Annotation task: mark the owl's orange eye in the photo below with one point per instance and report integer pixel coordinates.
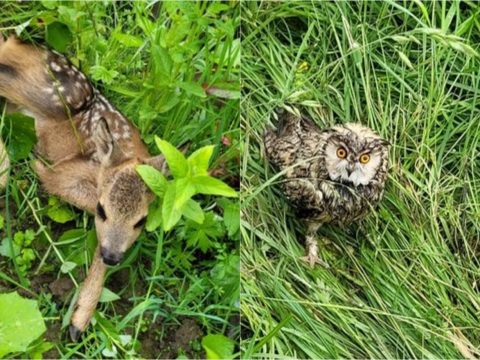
(365, 158)
(341, 153)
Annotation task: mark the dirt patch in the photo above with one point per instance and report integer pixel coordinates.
(53, 334)
(177, 338)
(61, 288)
(118, 279)
(40, 282)
(187, 332)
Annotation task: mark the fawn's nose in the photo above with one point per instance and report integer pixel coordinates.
(109, 257)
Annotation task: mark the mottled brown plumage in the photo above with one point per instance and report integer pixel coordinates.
(333, 175)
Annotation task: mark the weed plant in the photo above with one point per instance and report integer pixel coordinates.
(173, 69)
(404, 283)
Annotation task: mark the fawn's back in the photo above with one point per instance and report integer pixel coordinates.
(45, 85)
(92, 148)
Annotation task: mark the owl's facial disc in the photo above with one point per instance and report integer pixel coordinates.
(354, 165)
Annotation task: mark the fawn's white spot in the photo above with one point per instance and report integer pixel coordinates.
(54, 66)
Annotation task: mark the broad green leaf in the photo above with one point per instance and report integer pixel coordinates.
(231, 217)
(35, 352)
(28, 237)
(58, 36)
(20, 323)
(49, 4)
(108, 296)
(18, 238)
(167, 101)
(198, 161)
(125, 339)
(183, 192)
(193, 89)
(170, 216)
(154, 179)
(176, 161)
(204, 235)
(154, 218)
(101, 73)
(128, 40)
(108, 327)
(23, 136)
(110, 352)
(204, 243)
(226, 274)
(216, 7)
(192, 210)
(6, 248)
(218, 346)
(162, 63)
(178, 31)
(208, 185)
(74, 242)
(71, 236)
(59, 212)
(67, 266)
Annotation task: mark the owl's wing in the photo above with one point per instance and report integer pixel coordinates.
(282, 143)
(290, 141)
(307, 200)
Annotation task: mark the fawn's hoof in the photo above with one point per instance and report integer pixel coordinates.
(75, 333)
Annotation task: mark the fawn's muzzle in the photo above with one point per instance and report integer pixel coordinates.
(109, 257)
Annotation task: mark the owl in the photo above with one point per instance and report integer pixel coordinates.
(335, 175)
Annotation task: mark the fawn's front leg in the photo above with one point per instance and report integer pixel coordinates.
(88, 297)
(4, 165)
(73, 181)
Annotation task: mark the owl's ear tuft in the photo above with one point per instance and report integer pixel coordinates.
(384, 142)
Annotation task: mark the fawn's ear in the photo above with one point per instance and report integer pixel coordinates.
(109, 152)
(158, 162)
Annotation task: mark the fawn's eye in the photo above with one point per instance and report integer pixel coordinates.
(341, 153)
(101, 212)
(140, 223)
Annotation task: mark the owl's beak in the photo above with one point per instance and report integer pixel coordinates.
(349, 170)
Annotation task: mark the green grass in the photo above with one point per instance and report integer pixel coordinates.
(173, 69)
(404, 283)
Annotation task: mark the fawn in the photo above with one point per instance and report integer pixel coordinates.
(92, 150)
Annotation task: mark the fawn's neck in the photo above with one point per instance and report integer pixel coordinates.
(73, 137)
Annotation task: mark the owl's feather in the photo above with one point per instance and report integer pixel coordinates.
(321, 186)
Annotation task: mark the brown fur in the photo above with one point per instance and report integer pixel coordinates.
(92, 150)
(4, 165)
(89, 294)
